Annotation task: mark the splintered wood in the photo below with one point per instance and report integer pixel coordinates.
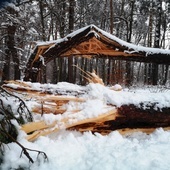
(126, 119)
(42, 129)
(91, 77)
(45, 102)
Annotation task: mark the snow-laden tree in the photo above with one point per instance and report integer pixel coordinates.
(15, 34)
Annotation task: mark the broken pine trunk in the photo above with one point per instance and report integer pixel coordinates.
(130, 118)
(146, 116)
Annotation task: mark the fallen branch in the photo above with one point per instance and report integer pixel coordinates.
(7, 129)
(22, 110)
(24, 149)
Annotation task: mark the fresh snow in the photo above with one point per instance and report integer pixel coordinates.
(75, 151)
(132, 48)
(71, 150)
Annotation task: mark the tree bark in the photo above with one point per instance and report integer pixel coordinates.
(42, 19)
(71, 15)
(62, 19)
(104, 17)
(11, 51)
(131, 20)
(128, 117)
(120, 25)
(157, 39)
(150, 27)
(111, 16)
(70, 69)
(158, 24)
(165, 74)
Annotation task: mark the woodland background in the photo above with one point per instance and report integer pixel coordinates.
(142, 22)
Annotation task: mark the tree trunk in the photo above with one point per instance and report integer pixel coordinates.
(60, 68)
(104, 18)
(158, 24)
(131, 21)
(127, 118)
(120, 25)
(164, 25)
(6, 68)
(150, 26)
(111, 16)
(71, 28)
(71, 15)
(42, 19)
(128, 64)
(157, 39)
(128, 73)
(109, 68)
(63, 19)
(70, 70)
(154, 73)
(54, 71)
(165, 74)
(11, 51)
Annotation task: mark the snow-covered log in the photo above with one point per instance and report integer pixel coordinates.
(94, 108)
(129, 118)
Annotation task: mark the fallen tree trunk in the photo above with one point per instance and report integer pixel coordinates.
(126, 119)
(129, 117)
(74, 104)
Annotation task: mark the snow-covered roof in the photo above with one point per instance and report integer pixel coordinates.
(131, 48)
(111, 46)
(93, 41)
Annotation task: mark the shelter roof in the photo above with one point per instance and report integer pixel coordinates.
(91, 40)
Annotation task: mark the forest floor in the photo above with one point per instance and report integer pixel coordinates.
(71, 149)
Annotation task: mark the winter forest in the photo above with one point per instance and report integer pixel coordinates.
(141, 22)
(85, 84)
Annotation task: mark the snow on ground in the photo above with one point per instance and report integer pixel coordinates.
(75, 151)
(71, 150)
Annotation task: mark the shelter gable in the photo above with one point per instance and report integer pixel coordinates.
(95, 46)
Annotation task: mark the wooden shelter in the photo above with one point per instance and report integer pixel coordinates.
(89, 42)
(91, 47)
